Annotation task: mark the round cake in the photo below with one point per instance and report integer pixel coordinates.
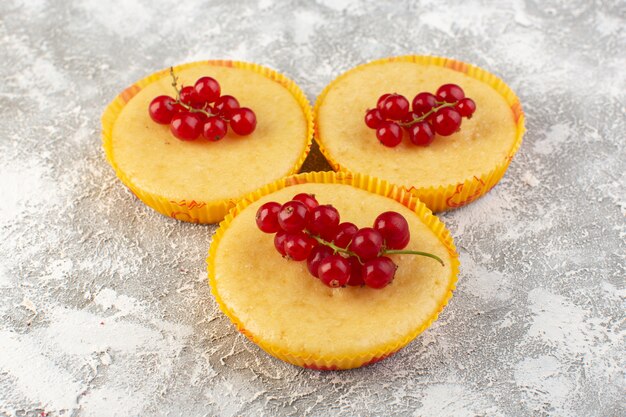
(290, 314)
(450, 172)
(200, 180)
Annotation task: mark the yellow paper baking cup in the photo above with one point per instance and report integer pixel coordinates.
(363, 182)
(444, 196)
(195, 211)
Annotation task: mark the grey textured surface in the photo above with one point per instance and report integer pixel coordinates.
(104, 305)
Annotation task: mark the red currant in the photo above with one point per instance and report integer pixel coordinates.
(423, 103)
(324, 222)
(267, 217)
(466, 107)
(297, 246)
(316, 256)
(409, 118)
(188, 96)
(379, 272)
(179, 108)
(447, 121)
(394, 228)
(208, 89)
(344, 233)
(395, 107)
(215, 128)
(381, 100)
(279, 242)
(421, 133)
(450, 93)
(366, 243)
(186, 126)
(162, 109)
(242, 121)
(293, 216)
(356, 272)
(225, 105)
(202, 116)
(334, 271)
(308, 199)
(373, 118)
(314, 242)
(431, 119)
(389, 134)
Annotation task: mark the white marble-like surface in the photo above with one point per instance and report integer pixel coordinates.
(104, 305)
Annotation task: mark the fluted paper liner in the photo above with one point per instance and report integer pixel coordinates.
(444, 196)
(364, 182)
(192, 210)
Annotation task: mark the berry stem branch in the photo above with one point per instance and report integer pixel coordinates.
(194, 110)
(413, 252)
(333, 246)
(441, 105)
(385, 252)
(185, 105)
(175, 83)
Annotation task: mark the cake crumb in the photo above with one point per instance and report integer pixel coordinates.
(529, 179)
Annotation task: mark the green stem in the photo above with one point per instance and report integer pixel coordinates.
(333, 246)
(413, 252)
(425, 116)
(385, 252)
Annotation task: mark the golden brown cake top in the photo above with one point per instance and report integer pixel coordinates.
(158, 163)
(482, 143)
(281, 304)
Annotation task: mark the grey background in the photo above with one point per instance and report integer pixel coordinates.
(104, 305)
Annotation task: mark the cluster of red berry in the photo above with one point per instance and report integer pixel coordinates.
(439, 113)
(200, 109)
(339, 254)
